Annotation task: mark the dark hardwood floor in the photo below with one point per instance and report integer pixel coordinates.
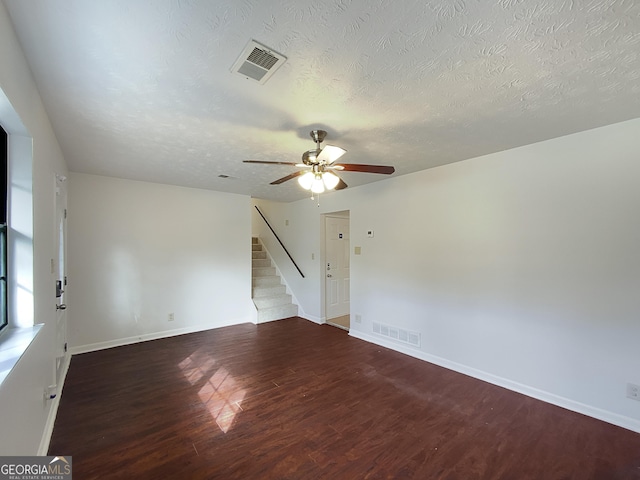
(295, 400)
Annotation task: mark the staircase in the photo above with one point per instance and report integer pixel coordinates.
(269, 295)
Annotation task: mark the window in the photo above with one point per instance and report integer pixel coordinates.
(3, 228)
(16, 259)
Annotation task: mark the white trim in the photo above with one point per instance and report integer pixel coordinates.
(13, 343)
(253, 313)
(11, 121)
(597, 413)
(20, 222)
(43, 449)
(119, 342)
(342, 327)
(312, 318)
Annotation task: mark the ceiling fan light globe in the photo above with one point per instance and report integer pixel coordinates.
(330, 180)
(306, 180)
(318, 185)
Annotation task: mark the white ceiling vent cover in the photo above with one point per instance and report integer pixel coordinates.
(258, 62)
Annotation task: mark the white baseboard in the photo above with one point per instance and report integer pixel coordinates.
(311, 318)
(119, 342)
(600, 414)
(53, 412)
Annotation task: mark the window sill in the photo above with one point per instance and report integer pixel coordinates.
(13, 343)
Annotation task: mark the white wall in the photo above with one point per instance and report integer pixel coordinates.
(139, 251)
(23, 412)
(520, 267)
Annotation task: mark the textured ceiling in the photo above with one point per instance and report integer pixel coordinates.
(142, 89)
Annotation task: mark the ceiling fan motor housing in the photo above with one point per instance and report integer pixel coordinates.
(318, 136)
(309, 157)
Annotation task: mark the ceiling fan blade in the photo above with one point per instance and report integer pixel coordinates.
(288, 177)
(359, 167)
(330, 154)
(341, 185)
(269, 163)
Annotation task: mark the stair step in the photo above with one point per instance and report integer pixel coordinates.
(258, 254)
(256, 247)
(268, 301)
(260, 262)
(267, 291)
(277, 313)
(269, 281)
(254, 240)
(263, 271)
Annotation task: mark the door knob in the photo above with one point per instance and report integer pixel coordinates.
(329, 275)
(62, 306)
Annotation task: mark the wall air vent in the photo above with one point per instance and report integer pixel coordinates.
(398, 334)
(258, 62)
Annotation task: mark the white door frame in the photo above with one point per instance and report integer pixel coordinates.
(59, 267)
(323, 271)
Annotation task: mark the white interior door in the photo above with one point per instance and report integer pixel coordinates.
(337, 266)
(60, 272)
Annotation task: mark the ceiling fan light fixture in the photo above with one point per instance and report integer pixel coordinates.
(306, 180)
(330, 180)
(318, 185)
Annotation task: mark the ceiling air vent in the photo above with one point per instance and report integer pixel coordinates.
(258, 62)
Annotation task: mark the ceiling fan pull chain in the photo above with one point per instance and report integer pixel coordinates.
(313, 197)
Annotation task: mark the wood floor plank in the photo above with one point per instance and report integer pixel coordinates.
(295, 400)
